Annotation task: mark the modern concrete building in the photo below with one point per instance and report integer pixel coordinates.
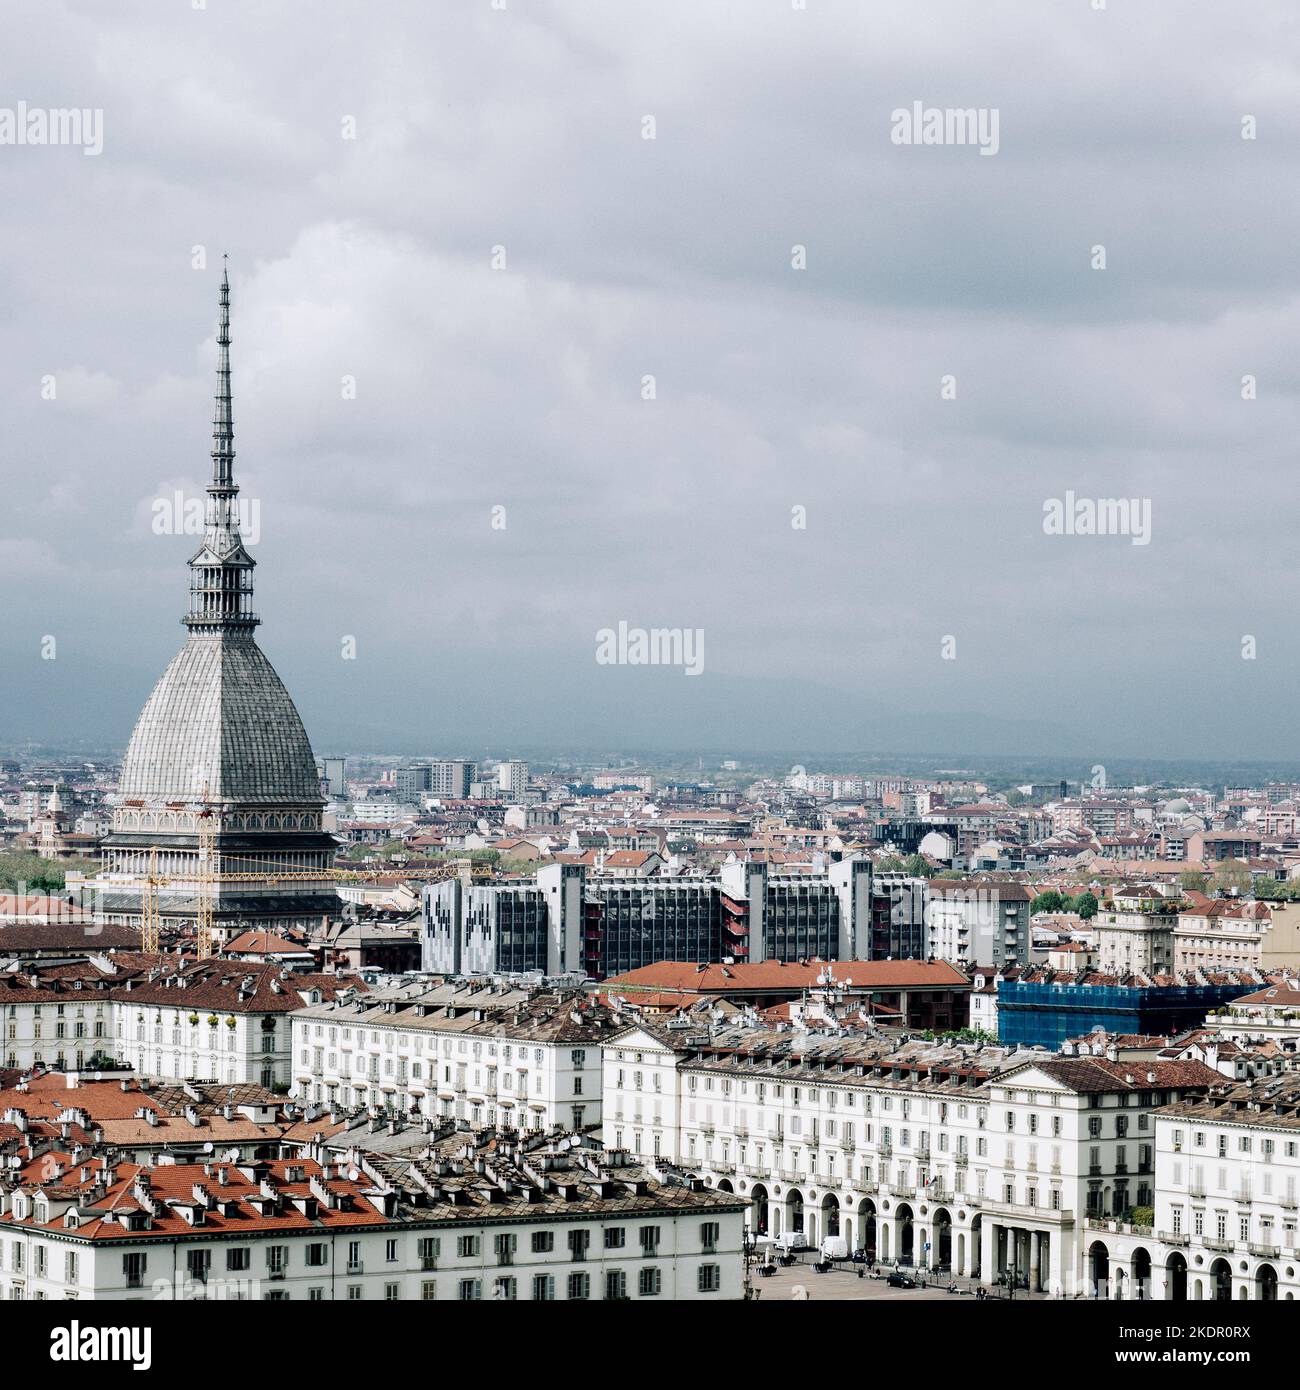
(336, 777)
(513, 779)
(568, 919)
(452, 778)
(978, 921)
(412, 782)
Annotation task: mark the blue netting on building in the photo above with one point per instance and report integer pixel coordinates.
(1045, 1015)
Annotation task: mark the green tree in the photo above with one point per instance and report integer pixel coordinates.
(31, 874)
(1048, 901)
(1086, 904)
(918, 866)
(1232, 874)
(1193, 882)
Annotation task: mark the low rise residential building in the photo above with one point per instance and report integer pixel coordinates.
(213, 1020)
(140, 1121)
(216, 1020)
(1262, 1016)
(487, 1055)
(493, 1216)
(1221, 934)
(1135, 931)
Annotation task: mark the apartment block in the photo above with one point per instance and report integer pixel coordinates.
(483, 1055)
(494, 1216)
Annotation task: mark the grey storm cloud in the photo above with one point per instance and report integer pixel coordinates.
(521, 127)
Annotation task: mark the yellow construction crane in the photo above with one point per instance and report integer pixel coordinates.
(149, 921)
(208, 876)
(208, 870)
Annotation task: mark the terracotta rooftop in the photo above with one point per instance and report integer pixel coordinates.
(771, 976)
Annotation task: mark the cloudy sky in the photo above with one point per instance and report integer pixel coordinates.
(225, 128)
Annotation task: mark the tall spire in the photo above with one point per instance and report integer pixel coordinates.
(223, 426)
(221, 573)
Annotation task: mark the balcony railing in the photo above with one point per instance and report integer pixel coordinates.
(1056, 1215)
(1107, 1223)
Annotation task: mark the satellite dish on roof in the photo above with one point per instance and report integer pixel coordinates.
(207, 1148)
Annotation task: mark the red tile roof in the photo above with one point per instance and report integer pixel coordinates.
(769, 976)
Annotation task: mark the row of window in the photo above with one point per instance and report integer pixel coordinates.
(649, 1284)
(1267, 1227)
(238, 1259)
(60, 1031)
(577, 1286)
(1245, 1144)
(404, 1042)
(58, 1010)
(42, 1262)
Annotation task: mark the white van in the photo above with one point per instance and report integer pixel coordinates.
(835, 1248)
(789, 1241)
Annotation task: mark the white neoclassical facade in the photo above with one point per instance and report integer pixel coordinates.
(1227, 1187)
(979, 1161)
(530, 1061)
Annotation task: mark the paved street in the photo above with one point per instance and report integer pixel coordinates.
(842, 1282)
